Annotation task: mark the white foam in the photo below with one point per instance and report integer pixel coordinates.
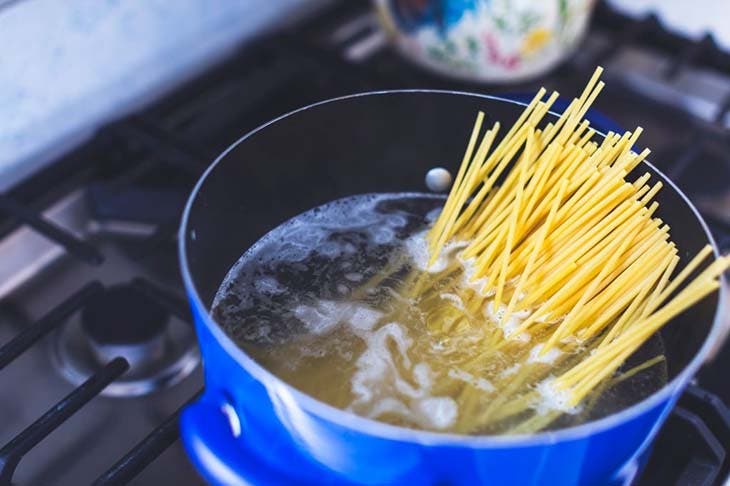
(417, 248)
(396, 221)
(354, 276)
(553, 399)
(325, 315)
(376, 366)
(364, 318)
(293, 252)
(320, 318)
(269, 285)
(422, 375)
(389, 405)
(379, 386)
(436, 412)
(467, 280)
(547, 358)
(433, 412)
(478, 382)
(513, 323)
(453, 298)
(382, 235)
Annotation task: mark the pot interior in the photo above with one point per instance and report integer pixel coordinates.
(375, 143)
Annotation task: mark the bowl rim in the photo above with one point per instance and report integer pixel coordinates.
(384, 430)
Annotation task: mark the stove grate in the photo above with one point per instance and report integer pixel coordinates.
(12, 453)
(185, 131)
(146, 451)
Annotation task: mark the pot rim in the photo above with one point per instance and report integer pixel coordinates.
(393, 432)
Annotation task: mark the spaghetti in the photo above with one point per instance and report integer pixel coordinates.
(532, 300)
(567, 243)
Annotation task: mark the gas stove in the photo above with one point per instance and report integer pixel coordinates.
(97, 351)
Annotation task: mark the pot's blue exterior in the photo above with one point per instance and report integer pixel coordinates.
(287, 437)
(283, 442)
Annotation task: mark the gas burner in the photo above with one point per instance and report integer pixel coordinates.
(123, 321)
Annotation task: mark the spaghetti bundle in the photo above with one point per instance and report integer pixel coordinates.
(532, 301)
(563, 252)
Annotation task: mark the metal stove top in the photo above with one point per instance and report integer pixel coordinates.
(97, 353)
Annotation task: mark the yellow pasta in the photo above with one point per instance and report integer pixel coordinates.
(566, 249)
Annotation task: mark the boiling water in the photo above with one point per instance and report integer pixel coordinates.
(325, 301)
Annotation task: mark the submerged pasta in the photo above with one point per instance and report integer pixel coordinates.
(324, 302)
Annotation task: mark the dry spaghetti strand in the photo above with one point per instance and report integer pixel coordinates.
(562, 254)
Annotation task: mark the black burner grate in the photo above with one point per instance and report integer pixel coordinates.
(169, 145)
(143, 453)
(146, 451)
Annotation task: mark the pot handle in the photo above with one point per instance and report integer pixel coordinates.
(209, 429)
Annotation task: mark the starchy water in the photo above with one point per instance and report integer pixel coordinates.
(339, 302)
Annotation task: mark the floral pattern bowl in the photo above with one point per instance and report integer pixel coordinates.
(486, 40)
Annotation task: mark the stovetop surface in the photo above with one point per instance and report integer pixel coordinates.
(95, 204)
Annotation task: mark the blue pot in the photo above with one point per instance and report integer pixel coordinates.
(249, 427)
